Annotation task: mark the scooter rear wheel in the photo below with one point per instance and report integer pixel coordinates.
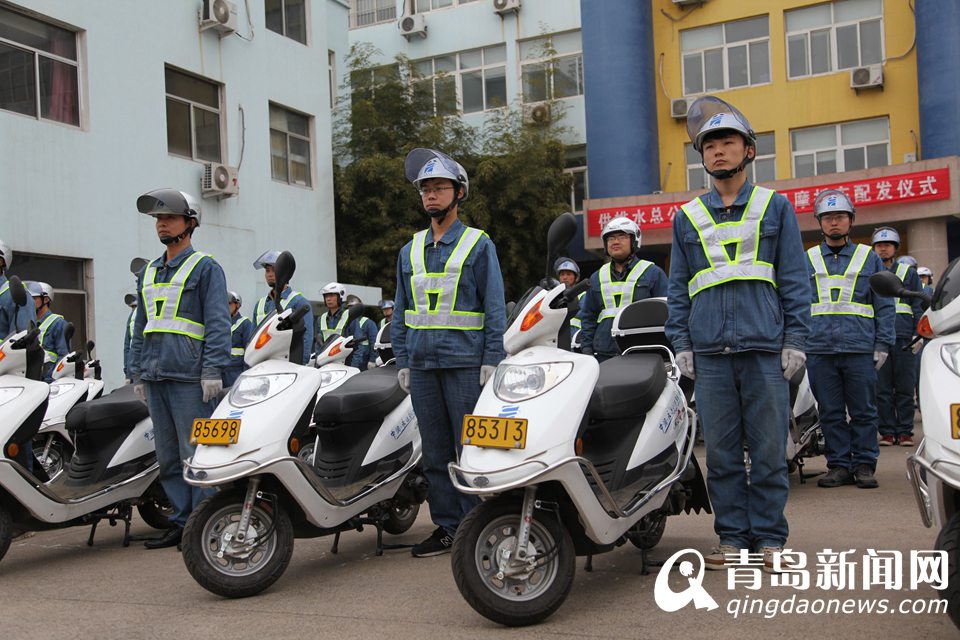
(155, 508)
(949, 540)
(226, 568)
(485, 536)
(401, 517)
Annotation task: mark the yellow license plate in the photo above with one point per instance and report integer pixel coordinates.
(215, 431)
(955, 421)
(499, 433)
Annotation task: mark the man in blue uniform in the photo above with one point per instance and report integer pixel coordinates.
(448, 334)
(897, 379)
(12, 318)
(625, 279)
(52, 327)
(288, 298)
(181, 345)
(241, 331)
(334, 321)
(851, 333)
(739, 316)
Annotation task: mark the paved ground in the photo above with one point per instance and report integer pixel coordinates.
(53, 586)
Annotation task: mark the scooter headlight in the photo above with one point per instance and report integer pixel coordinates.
(950, 354)
(63, 387)
(516, 383)
(9, 393)
(253, 389)
(327, 378)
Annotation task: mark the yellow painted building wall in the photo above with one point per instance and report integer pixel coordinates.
(784, 105)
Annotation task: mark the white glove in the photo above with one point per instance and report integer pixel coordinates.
(916, 347)
(139, 392)
(685, 362)
(486, 372)
(127, 381)
(879, 357)
(371, 365)
(211, 389)
(403, 377)
(791, 361)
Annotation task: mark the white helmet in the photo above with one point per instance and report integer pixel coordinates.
(724, 122)
(267, 258)
(910, 261)
(833, 201)
(423, 164)
(169, 202)
(622, 225)
(233, 296)
(130, 299)
(386, 304)
(924, 271)
(6, 253)
(334, 287)
(47, 290)
(886, 234)
(33, 288)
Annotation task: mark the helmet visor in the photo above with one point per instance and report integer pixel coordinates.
(265, 259)
(165, 201)
(705, 108)
(443, 166)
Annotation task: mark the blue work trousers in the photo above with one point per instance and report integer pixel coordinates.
(896, 383)
(441, 397)
(845, 384)
(173, 406)
(742, 399)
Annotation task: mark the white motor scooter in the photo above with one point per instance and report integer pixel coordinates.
(363, 471)
(934, 470)
(572, 457)
(75, 380)
(113, 468)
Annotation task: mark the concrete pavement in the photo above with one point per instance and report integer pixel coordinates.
(53, 586)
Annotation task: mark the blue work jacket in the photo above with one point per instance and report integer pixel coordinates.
(480, 289)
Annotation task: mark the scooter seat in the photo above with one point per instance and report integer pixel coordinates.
(119, 409)
(628, 386)
(369, 396)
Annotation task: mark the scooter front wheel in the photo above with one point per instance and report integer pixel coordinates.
(949, 540)
(229, 567)
(494, 581)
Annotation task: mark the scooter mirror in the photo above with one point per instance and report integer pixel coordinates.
(137, 265)
(18, 292)
(561, 232)
(283, 269)
(887, 284)
(90, 345)
(68, 332)
(510, 307)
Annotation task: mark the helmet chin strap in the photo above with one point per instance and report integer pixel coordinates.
(726, 174)
(836, 236)
(440, 214)
(169, 240)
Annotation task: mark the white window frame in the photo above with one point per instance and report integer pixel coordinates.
(199, 105)
(725, 59)
(283, 20)
(382, 11)
(453, 4)
(839, 148)
(289, 134)
(457, 75)
(751, 168)
(551, 61)
(834, 56)
(39, 53)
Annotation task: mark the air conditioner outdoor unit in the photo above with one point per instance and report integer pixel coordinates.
(413, 25)
(679, 108)
(538, 114)
(220, 15)
(869, 77)
(506, 6)
(219, 181)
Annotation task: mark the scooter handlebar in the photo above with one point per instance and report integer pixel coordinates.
(570, 294)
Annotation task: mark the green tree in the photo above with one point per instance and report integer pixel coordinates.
(517, 183)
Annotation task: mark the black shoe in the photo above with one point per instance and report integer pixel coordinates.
(837, 477)
(437, 544)
(865, 477)
(171, 538)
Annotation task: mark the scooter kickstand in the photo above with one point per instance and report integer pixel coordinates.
(588, 567)
(93, 531)
(379, 539)
(335, 549)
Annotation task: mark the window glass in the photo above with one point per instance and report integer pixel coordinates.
(701, 38)
(871, 42)
(809, 17)
(848, 50)
(797, 55)
(747, 29)
(759, 62)
(18, 85)
(845, 10)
